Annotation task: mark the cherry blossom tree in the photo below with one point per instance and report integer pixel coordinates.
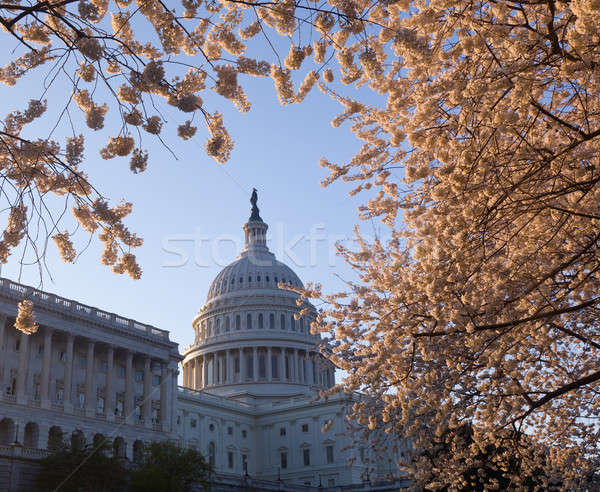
(482, 308)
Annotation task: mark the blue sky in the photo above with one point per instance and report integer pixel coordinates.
(177, 202)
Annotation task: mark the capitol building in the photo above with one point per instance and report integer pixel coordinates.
(246, 392)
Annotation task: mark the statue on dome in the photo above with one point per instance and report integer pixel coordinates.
(255, 212)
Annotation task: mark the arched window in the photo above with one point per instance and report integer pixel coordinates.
(119, 448)
(292, 323)
(227, 324)
(260, 321)
(272, 321)
(55, 438)
(238, 322)
(77, 440)
(32, 435)
(218, 330)
(7, 431)
(138, 451)
(283, 321)
(248, 321)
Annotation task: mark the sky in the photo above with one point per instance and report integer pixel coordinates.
(190, 209)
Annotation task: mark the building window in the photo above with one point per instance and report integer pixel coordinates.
(292, 323)
(193, 423)
(245, 464)
(238, 322)
(211, 454)
(100, 405)
(361, 453)
(59, 395)
(155, 379)
(211, 427)
(249, 279)
(331, 482)
(304, 427)
(244, 433)
(121, 371)
(267, 278)
(139, 376)
(272, 321)
(230, 459)
(178, 419)
(283, 321)
(261, 366)
(302, 325)
(258, 278)
(119, 408)
(40, 349)
(82, 361)
(329, 454)
(218, 323)
(248, 321)
(62, 356)
(17, 344)
(236, 364)
(274, 366)
(283, 461)
(282, 431)
(230, 431)
(260, 321)
(227, 324)
(306, 457)
(104, 367)
(249, 367)
(81, 400)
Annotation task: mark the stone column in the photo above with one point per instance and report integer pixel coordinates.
(90, 396)
(198, 377)
(173, 402)
(2, 351)
(228, 359)
(164, 396)
(242, 366)
(23, 369)
(204, 371)
(214, 369)
(129, 396)
(296, 371)
(68, 390)
(109, 403)
(282, 365)
(223, 376)
(46, 362)
(147, 405)
(255, 364)
(269, 367)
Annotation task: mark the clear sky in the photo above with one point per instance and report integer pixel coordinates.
(197, 206)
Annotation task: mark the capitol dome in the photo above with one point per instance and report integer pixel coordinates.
(248, 341)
